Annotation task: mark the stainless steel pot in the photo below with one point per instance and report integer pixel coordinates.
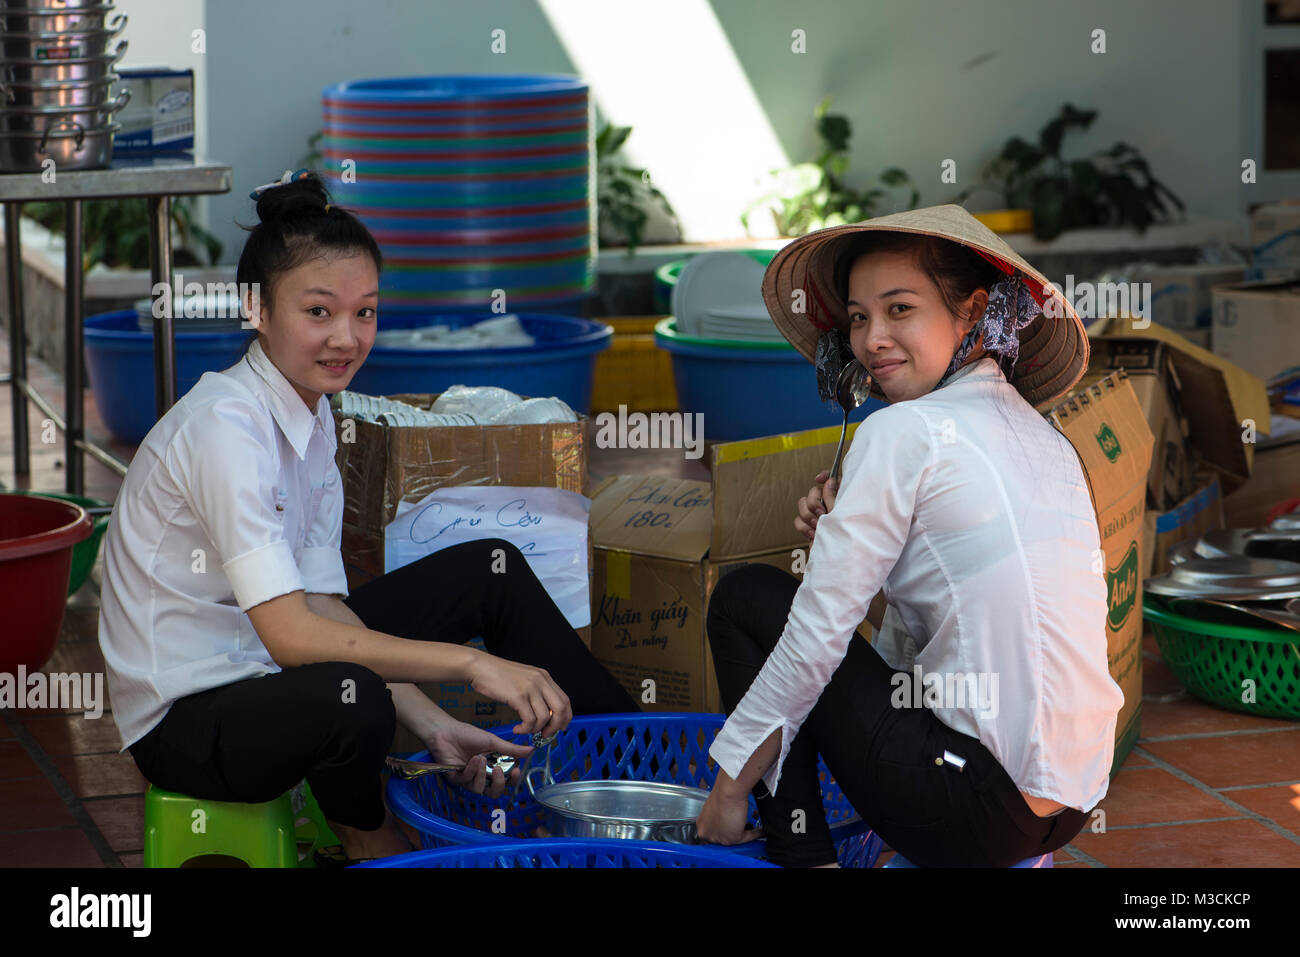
(626, 810)
(69, 145)
(59, 6)
(58, 46)
(33, 20)
(83, 94)
(27, 70)
(39, 119)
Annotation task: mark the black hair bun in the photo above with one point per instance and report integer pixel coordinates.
(305, 196)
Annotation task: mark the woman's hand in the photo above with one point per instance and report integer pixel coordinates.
(819, 500)
(724, 819)
(542, 706)
(459, 743)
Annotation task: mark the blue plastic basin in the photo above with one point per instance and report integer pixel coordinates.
(561, 363)
(119, 359)
(747, 390)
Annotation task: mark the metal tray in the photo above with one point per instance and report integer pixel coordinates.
(1233, 576)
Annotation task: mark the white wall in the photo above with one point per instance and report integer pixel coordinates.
(1171, 82)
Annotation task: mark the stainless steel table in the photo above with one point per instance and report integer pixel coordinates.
(157, 179)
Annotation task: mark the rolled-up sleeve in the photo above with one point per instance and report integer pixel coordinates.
(855, 548)
(322, 551)
(224, 460)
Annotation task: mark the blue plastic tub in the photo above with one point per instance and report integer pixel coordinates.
(746, 390)
(561, 364)
(119, 360)
(668, 747)
(570, 853)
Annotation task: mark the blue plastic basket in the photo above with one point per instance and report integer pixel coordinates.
(569, 853)
(669, 747)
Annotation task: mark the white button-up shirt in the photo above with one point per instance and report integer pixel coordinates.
(232, 499)
(972, 513)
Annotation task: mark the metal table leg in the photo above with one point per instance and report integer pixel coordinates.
(17, 338)
(73, 384)
(160, 271)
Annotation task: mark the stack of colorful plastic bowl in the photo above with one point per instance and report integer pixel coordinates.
(475, 187)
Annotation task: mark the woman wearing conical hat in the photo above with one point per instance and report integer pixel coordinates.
(978, 729)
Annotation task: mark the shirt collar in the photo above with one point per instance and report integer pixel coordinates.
(985, 367)
(296, 421)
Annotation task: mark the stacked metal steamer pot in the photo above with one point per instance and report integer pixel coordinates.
(58, 90)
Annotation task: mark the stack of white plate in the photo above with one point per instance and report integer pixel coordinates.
(719, 295)
(746, 322)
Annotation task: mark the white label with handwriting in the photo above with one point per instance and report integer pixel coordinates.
(548, 525)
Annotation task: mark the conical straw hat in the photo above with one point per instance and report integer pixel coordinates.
(799, 291)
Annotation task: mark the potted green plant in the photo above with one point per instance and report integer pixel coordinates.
(1111, 187)
(626, 196)
(116, 232)
(814, 195)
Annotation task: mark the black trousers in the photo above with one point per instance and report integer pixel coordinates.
(254, 740)
(882, 757)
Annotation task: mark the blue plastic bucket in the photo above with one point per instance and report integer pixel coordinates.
(745, 390)
(119, 360)
(561, 364)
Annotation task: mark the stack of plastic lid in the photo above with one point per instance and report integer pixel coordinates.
(474, 186)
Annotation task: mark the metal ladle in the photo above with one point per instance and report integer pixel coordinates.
(852, 388)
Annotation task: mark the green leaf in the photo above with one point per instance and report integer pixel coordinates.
(835, 130)
(895, 177)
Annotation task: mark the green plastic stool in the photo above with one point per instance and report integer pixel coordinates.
(309, 823)
(178, 827)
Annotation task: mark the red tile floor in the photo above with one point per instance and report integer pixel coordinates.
(1202, 788)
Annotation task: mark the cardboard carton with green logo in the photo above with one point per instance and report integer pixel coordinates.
(1106, 425)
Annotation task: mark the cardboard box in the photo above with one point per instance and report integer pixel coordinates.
(1180, 295)
(1220, 401)
(1151, 373)
(1105, 424)
(661, 546)
(1257, 326)
(1275, 241)
(159, 117)
(1276, 479)
(382, 466)
(1191, 518)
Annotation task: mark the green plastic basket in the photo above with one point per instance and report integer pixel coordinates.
(1213, 661)
(85, 553)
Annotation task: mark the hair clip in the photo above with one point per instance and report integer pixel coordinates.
(288, 177)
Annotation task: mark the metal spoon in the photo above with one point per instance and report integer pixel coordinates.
(414, 769)
(851, 389)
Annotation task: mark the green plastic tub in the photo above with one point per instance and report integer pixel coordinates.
(1224, 664)
(85, 554)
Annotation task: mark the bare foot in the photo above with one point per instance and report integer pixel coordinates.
(384, 842)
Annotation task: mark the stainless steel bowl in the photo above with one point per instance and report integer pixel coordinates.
(626, 810)
(28, 70)
(60, 45)
(83, 94)
(33, 20)
(69, 145)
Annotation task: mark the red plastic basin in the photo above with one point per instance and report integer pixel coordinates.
(36, 539)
